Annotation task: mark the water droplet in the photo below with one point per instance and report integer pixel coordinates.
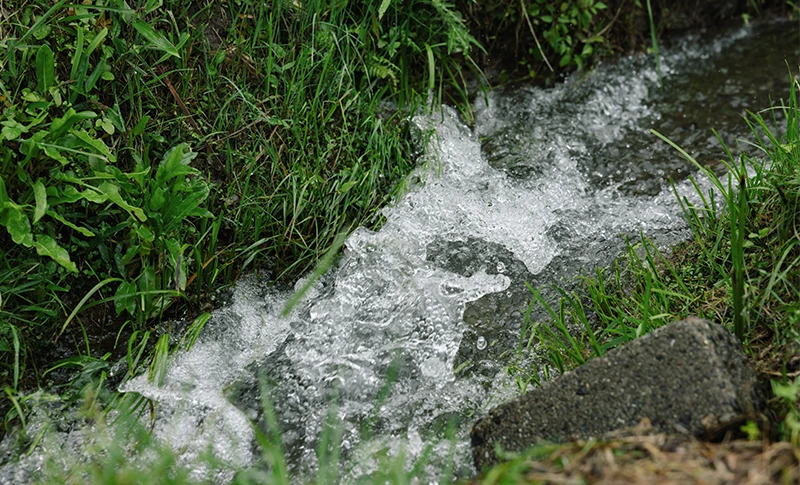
(449, 289)
(481, 343)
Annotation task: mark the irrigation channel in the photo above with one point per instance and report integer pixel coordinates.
(414, 328)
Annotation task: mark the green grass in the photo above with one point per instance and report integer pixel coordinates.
(151, 154)
(654, 41)
(123, 449)
(740, 269)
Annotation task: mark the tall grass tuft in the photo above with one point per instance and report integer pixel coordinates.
(739, 269)
(151, 155)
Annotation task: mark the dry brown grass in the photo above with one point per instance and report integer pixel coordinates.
(656, 458)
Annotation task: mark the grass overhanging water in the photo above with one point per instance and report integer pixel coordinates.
(153, 153)
(150, 155)
(740, 269)
(646, 289)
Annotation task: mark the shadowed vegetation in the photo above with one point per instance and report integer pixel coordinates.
(152, 153)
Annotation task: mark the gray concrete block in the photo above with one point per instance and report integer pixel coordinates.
(688, 376)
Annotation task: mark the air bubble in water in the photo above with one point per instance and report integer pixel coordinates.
(449, 289)
(481, 344)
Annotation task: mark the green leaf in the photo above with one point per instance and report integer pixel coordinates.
(431, 68)
(67, 195)
(53, 153)
(92, 195)
(112, 192)
(157, 199)
(83, 301)
(145, 234)
(59, 126)
(77, 55)
(175, 163)
(141, 125)
(180, 274)
(158, 41)
(41, 20)
(107, 126)
(17, 224)
(12, 130)
(91, 81)
(152, 5)
(183, 206)
(786, 391)
(128, 256)
(98, 39)
(147, 284)
(42, 31)
(69, 224)
(115, 116)
(96, 144)
(55, 93)
(176, 212)
(80, 69)
(30, 147)
(322, 266)
(178, 263)
(47, 246)
(158, 367)
(31, 97)
(45, 68)
(40, 195)
(125, 298)
(347, 186)
(382, 9)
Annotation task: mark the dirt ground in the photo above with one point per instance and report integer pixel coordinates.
(655, 459)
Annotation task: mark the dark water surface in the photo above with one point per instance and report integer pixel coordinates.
(604, 118)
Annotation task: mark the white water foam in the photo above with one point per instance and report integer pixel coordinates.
(386, 301)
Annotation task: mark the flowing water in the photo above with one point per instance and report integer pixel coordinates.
(410, 334)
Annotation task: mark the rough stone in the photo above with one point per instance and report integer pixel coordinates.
(690, 376)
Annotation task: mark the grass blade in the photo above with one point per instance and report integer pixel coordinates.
(158, 41)
(83, 302)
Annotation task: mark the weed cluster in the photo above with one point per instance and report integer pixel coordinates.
(151, 153)
(740, 269)
(548, 37)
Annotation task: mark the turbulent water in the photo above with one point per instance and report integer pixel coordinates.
(410, 333)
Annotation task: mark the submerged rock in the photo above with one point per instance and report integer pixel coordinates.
(690, 376)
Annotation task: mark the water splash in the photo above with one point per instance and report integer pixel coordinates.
(401, 301)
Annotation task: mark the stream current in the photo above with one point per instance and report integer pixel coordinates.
(411, 332)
